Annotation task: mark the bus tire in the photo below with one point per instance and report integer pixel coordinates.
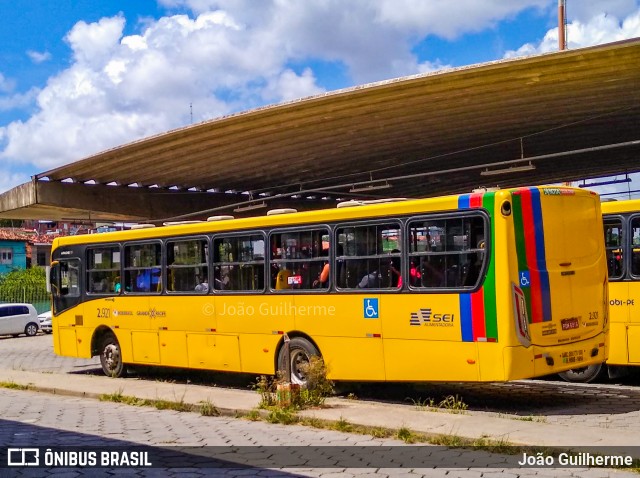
(584, 374)
(31, 329)
(111, 357)
(300, 350)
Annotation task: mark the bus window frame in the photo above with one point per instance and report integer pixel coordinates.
(61, 299)
(165, 264)
(401, 222)
(87, 249)
(314, 226)
(124, 268)
(629, 243)
(625, 223)
(460, 214)
(212, 264)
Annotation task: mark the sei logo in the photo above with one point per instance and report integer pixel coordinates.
(427, 317)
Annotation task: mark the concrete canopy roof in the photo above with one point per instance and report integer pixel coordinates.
(569, 115)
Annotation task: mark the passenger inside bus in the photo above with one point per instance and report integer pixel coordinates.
(323, 278)
(395, 277)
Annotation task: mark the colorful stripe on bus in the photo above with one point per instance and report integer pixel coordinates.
(530, 250)
(478, 318)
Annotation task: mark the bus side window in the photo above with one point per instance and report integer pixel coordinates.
(614, 240)
(238, 263)
(635, 246)
(447, 252)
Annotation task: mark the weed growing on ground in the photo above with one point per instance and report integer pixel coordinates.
(454, 404)
(253, 415)
(179, 406)
(406, 435)
(284, 416)
(266, 387)
(451, 403)
(343, 425)
(423, 404)
(118, 397)
(318, 386)
(208, 409)
(313, 394)
(15, 386)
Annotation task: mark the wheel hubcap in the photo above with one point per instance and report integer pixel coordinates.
(111, 356)
(298, 360)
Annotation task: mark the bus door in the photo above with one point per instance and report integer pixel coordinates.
(142, 284)
(65, 289)
(560, 269)
(616, 243)
(633, 294)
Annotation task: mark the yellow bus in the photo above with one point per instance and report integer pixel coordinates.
(487, 286)
(622, 241)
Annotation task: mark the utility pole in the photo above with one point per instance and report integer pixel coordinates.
(562, 25)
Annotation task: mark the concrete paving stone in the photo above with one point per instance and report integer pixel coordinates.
(398, 472)
(490, 473)
(338, 474)
(64, 473)
(613, 418)
(465, 473)
(188, 474)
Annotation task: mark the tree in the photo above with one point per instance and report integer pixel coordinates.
(24, 285)
(10, 223)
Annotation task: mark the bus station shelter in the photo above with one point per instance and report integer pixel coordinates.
(564, 116)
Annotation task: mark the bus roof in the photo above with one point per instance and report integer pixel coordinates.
(363, 209)
(613, 207)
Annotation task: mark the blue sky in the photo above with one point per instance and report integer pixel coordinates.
(79, 77)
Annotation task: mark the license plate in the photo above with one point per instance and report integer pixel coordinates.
(571, 323)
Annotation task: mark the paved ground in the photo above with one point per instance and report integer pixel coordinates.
(534, 413)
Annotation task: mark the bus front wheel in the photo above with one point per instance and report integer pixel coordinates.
(111, 357)
(300, 351)
(584, 374)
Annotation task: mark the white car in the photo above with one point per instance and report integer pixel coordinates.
(16, 319)
(45, 322)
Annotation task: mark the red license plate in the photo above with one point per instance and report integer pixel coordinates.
(568, 324)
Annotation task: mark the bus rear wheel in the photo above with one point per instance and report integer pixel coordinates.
(111, 357)
(300, 351)
(584, 374)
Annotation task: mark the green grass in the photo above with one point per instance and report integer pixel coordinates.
(205, 408)
(451, 403)
(208, 409)
(16, 386)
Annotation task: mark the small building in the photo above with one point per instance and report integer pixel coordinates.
(40, 254)
(13, 254)
(22, 249)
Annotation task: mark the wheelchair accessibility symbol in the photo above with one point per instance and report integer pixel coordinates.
(370, 308)
(524, 279)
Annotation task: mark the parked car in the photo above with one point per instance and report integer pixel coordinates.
(16, 319)
(45, 322)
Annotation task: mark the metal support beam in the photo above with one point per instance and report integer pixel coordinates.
(72, 201)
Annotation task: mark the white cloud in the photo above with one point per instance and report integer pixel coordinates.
(584, 10)
(38, 57)
(234, 55)
(601, 28)
(120, 89)
(7, 85)
(289, 86)
(94, 43)
(10, 180)
(18, 101)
